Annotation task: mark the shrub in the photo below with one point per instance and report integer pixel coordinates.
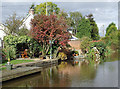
(112, 40)
(62, 56)
(9, 52)
(91, 55)
(85, 41)
(100, 46)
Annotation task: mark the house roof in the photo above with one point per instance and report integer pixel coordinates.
(26, 21)
(74, 38)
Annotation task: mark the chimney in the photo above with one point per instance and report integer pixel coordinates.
(31, 11)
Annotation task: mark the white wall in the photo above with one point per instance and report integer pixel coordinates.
(2, 33)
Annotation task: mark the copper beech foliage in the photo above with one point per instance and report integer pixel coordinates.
(45, 28)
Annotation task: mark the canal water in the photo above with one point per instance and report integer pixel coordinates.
(72, 74)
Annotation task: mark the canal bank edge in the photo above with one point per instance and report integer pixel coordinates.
(26, 69)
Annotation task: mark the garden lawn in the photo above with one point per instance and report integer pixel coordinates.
(18, 62)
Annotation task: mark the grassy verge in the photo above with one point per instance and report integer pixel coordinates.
(14, 62)
(18, 62)
(2, 68)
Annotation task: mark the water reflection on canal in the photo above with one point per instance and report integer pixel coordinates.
(70, 74)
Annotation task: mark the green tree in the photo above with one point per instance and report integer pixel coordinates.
(63, 14)
(85, 41)
(94, 28)
(23, 31)
(51, 8)
(112, 27)
(84, 28)
(74, 19)
(12, 23)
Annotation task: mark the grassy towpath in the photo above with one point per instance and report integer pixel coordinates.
(14, 62)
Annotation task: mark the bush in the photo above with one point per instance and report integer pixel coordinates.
(100, 46)
(65, 53)
(9, 52)
(33, 45)
(91, 54)
(85, 41)
(62, 56)
(112, 40)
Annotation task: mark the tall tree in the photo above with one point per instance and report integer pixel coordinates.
(22, 32)
(74, 19)
(94, 28)
(84, 28)
(63, 14)
(112, 27)
(51, 8)
(46, 28)
(12, 23)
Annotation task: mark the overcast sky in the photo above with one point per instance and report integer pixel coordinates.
(103, 12)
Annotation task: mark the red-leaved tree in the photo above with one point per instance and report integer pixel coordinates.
(46, 28)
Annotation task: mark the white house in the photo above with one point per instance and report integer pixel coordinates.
(70, 30)
(26, 23)
(2, 33)
(27, 20)
(74, 38)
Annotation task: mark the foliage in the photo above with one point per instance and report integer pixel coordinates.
(9, 52)
(23, 32)
(112, 40)
(34, 48)
(33, 45)
(46, 28)
(84, 28)
(51, 8)
(91, 55)
(111, 28)
(94, 28)
(62, 56)
(85, 41)
(12, 23)
(10, 44)
(75, 16)
(108, 51)
(66, 51)
(63, 14)
(100, 46)
(111, 24)
(13, 40)
(74, 19)
(100, 55)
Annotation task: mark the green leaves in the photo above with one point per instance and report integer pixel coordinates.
(111, 28)
(12, 40)
(12, 23)
(51, 8)
(85, 41)
(10, 52)
(100, 46)
(94, 28)
(84, 28)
